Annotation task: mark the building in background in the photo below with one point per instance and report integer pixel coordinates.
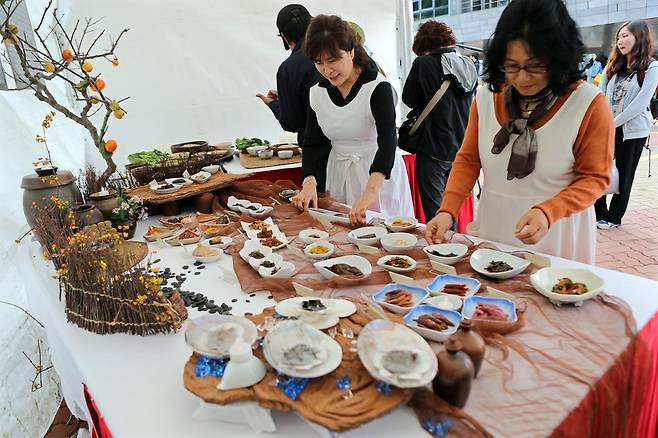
(474, 20)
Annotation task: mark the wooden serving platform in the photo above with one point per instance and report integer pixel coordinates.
(216, 181)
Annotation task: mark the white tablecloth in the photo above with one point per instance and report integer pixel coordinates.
(137, 381)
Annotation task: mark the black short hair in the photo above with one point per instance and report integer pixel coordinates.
(292, 21)
(550, 34)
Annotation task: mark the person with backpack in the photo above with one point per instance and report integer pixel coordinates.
(441, 133)
(629, 83)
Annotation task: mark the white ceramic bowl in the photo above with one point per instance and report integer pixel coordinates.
(330, 246)
(285, 155)
(393, 242)
(446, 248)
(226, 242)
(445, 301)
(355, 235)
(200, 177)
(274, 258)
(159, 188)
(481, 258)
(212, 169)
(544, 280)
(435, 287)
(396, 228)
(196, 333)
(305, 235)
(283, 270)
(253, 150)
(418, 295)
(209, 259)
(265, 154)
(353, 260)
(382, 263)
(252, 245)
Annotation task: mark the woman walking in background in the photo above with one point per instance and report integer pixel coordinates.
(542, 137)
(629, 82)
(442, 132)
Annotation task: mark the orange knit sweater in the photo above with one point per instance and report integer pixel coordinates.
(593, 152)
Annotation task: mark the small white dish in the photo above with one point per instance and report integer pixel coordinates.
(178, 241)
(163, 189)
(212, 169)
(544, 280)
(481, 258)
(436, 286)
(266, 154)
(356, 236)
(398, 242)
(272, 258)
(435, 335)
(308, 236)
(507, 306)
(382, 262)
(340, 307)
(358, 262)
(180, 181)
(254, 150)
(445, 301)
(219, 242)
(417, 297)
(200, 177)
(281, 270)
(401, 223)
(157, 233)
(209, 258)
(279, 236)
(329, 215)
(330, 247)
(250, 246)
(285, 155)
(446, 249)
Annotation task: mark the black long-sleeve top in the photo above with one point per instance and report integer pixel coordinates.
(382, 104)
(442, 132)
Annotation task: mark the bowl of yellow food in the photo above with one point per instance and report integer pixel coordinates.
(320, 250)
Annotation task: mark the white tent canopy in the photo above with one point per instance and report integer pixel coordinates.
(191, 69)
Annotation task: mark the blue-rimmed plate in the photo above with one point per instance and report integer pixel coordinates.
(417, 296)
(436, 286)
(434, 335)
(505, 305)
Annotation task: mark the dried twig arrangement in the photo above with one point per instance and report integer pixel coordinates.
(39, 65)
(39, 369)
(104, 291)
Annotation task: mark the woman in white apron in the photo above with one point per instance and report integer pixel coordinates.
(542, 138)
(353, 107)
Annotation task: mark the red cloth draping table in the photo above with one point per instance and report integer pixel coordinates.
(295, 175)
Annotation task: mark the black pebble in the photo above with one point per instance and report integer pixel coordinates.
(234, 300)
(185, 267)
(252, 295)
(269, 297)
(211, 301)
(213, 310)
(187, 302)
(201, 267)
(197, 273)
(197, 264)
(247, 301)
(248, 314)
(156, 261)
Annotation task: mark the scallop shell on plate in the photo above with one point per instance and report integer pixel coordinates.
(397, 355)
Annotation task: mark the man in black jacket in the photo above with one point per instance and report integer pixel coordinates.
(295, 77)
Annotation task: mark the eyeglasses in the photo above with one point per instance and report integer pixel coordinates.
(532, 69)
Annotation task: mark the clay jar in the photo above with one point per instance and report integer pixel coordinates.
(472, 343)
(86, 214)
(105, 202)
(453, 382)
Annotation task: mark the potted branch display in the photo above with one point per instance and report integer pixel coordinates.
(79, 67)
(126, 215)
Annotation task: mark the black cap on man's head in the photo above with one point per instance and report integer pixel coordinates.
(292, 21)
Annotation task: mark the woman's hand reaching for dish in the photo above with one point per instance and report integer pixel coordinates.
(308, 197)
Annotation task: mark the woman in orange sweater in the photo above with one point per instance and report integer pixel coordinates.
(541, 136)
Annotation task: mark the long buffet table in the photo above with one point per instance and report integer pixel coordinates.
(136, 382)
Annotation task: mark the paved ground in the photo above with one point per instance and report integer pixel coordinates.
(633, 247)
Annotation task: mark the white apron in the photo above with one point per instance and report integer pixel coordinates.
(353, 135)
(503, 202)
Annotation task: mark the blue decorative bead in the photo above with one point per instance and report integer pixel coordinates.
(344, 383)
(439, 430)
(447, 425)
(260, 341)
(383, 387)
(428, 425)
(277, 315)
(206, 367)
(291, 387)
